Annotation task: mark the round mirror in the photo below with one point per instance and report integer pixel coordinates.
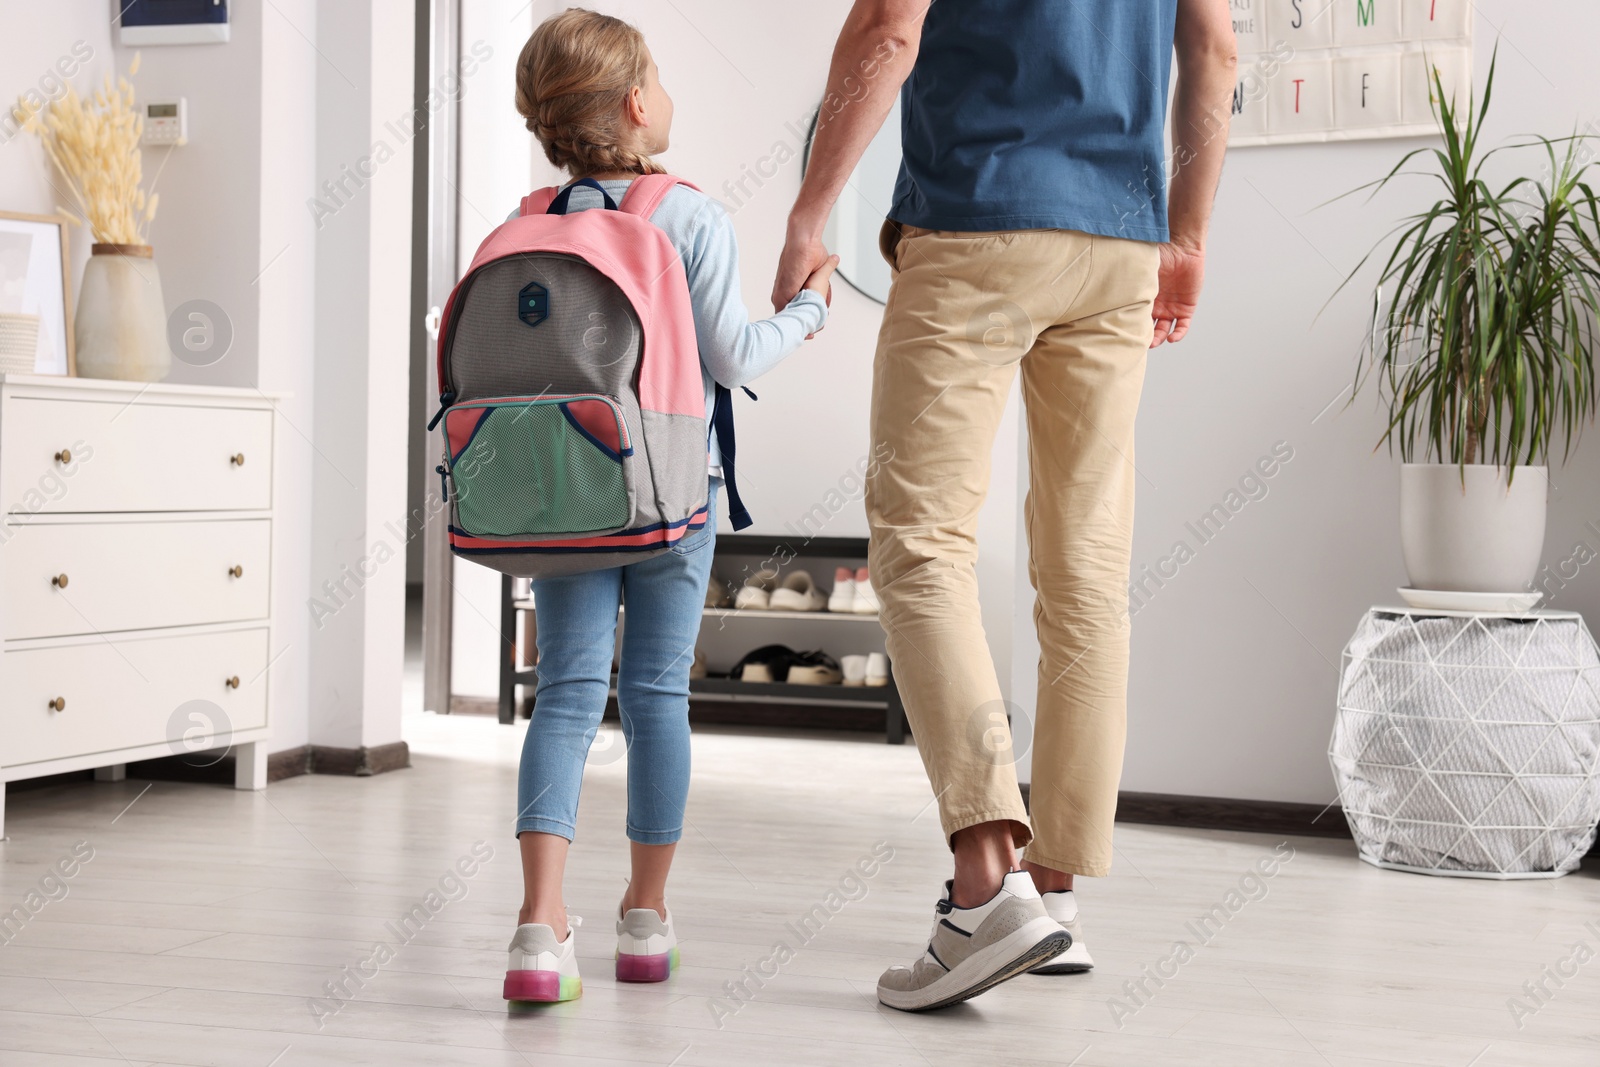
(852, 230)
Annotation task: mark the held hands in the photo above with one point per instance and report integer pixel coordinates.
(1182, 273)
(805, 264)
(820, 283)
(802, 260)
(820, 280)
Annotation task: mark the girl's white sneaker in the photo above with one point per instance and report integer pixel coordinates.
(541, 968)
(647, 949)
(877, 669)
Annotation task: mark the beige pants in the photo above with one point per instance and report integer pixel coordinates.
(966, 310)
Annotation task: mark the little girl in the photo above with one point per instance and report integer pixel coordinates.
(590, 92)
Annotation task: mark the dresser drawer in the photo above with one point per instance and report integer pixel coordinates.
(131, 692)
(134, 575)
(88, 456)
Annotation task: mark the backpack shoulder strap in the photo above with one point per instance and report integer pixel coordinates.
(647, 192)
(538, 202)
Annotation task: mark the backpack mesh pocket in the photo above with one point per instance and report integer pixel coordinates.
(557, 466)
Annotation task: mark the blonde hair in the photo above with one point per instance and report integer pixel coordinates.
(573, 81)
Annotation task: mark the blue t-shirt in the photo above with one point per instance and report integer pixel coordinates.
(1038, 114)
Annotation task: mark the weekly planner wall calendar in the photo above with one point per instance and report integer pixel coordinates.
(1341, 70)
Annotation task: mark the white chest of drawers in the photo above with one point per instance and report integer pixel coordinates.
(135, 575)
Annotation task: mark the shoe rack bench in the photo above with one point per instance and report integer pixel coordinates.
(737, 555)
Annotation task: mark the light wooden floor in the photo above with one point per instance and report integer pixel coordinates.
(207, 919)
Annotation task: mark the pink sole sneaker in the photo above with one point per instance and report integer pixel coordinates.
(657, 968)
(546, 987)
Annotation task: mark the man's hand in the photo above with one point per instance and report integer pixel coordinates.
(803, 255)
(1182, 272)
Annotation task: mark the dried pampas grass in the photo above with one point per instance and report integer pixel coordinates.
(95, 146)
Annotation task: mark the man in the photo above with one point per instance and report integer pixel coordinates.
(1033, 228)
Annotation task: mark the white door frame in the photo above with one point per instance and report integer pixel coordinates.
(444, 30)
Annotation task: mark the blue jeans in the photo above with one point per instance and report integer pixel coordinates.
(577, 617)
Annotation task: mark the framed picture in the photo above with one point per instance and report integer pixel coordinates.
(35, 293)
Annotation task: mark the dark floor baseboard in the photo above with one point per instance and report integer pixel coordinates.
(290, 763)
(1224, 813)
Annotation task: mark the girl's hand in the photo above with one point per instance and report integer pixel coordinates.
(820, 283)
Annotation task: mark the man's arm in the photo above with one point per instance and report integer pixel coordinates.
(1208, 59)
(876, 50)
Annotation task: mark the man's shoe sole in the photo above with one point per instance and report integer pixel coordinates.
(1035, 942)
(1063, 968)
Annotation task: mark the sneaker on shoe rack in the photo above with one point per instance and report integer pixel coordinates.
(1063, 908)
(865, 601)
(697, 669)
(797, 593)
(877, 669)
(972, 950)
(541, 968)
(815, 668)
(855, 669)
(843, 597)
(756, 592)
(647, 948)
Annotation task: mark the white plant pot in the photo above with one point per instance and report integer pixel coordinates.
(121, 325)
(1480, 536)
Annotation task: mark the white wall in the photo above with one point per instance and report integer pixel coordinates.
(1235, 660)
(35, 51)
(234, 228)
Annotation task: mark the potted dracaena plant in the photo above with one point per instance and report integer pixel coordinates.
(1482, 348)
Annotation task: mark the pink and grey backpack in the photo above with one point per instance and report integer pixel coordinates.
(571, 392)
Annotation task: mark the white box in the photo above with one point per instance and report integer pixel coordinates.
(1367, 22)
(1432, 20)
(1366, 91)
(1455, 71)
(1249, 25)
(1250, 105)
(1300, 100)
(1304, 25)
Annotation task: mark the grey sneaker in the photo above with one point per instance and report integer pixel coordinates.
(975, 949)
(1063, 908)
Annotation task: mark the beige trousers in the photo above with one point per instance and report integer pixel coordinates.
(966, 310)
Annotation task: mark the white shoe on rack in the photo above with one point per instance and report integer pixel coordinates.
(797, 593)
(756, 592)
(855, 669)
(843, 597)
(877, 669)
(865, 601)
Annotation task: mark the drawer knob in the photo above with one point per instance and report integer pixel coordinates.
(58, 704)
(236, 571)
(237, 459)
(59, 581)
(232, 683)
(64, 456)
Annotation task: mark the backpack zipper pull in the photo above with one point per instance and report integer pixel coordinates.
(444, 405)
